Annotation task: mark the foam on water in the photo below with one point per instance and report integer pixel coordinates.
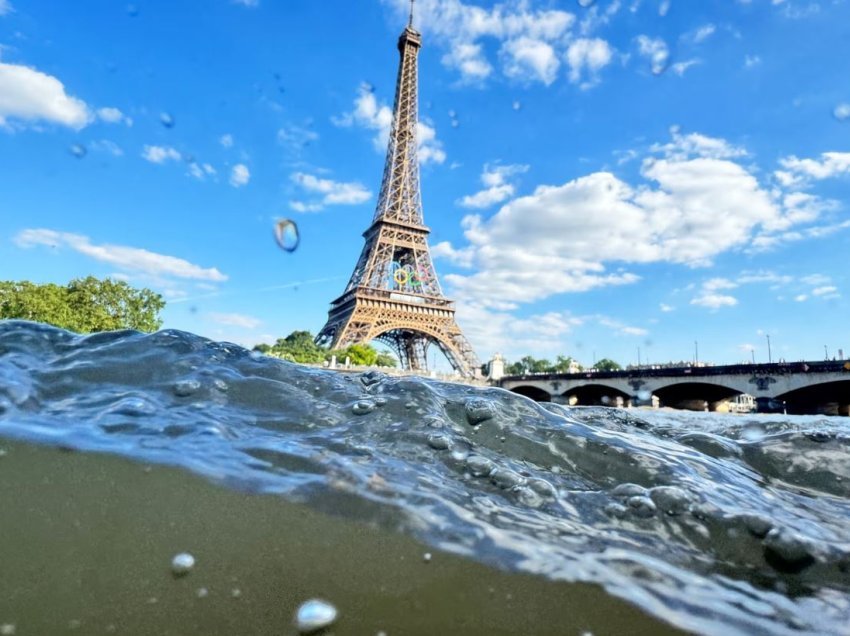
(717, 524)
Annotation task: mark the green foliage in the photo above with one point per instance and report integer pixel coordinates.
(607, 365)
(300, 347)
(529, 364)
(84, 305)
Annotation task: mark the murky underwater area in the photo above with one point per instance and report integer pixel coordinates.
(310, 483)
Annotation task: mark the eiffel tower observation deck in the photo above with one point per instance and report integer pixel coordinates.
(393, 295)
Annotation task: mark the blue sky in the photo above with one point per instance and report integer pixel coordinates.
(599, 177)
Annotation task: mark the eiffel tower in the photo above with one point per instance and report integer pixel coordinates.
(393, 295)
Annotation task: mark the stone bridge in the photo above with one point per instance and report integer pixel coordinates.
(799, 387)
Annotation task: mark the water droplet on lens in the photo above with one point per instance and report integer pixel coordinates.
(286, 235)
(132, 10)
(7, 629)
(644, 395)
(605, 400)
(236, 592)
(426, 557)
(166, 120)
(202, 592)
(314, 615)
(78, 150)
(586, 3)
(752, 432)
(182, 564)
(842, 112)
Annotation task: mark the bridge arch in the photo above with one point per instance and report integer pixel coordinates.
(826, 398)
(535, 393)
(695, 395)
(596, 394)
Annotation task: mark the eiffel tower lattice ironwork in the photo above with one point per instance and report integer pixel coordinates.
(393, 295)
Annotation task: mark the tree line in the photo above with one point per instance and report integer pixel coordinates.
(85, 305)
(562, 364)
(299, 346)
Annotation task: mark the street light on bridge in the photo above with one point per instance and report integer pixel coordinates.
(769, 357)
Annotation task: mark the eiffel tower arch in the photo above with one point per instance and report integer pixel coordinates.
(393, 295)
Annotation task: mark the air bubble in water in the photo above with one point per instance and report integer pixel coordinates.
(78, 150)
(426, 557)
(167, 120)
(286, 235)
(202, 592)
(605, 400)
(478, 410)
(439, 442)
(314, 615)
(363, 407)
(842, 112)
(7, 629)
(182, 564)
(185, 388)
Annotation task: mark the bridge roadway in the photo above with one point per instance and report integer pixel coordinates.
(797, 387)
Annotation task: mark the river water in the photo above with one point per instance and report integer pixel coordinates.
(711, 523)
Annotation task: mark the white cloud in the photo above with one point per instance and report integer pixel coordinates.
(655, 50)
(334, 192)
(369, 114)
(800, 172)
(529, 59)
(107, 146)
(527, 37)
(5, 7)
(469, 60)
(666, 308)
(239, 175)
(714, 301)
(127, 258)
(498, 188)
(816, 279)
(827, 291)
(247, 3)
(704, 32)
(27, 94)
(295, 138)
(680, 68)
(751, 60)
(226, 140)
(590, 55)
(800, 298)
(113, 116)
(160, 154)
(693, 203)
(235, 320)
(696, 145)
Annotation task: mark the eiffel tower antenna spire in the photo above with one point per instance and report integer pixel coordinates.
(393, 295)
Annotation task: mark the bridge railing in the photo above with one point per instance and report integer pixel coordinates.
(775, 368)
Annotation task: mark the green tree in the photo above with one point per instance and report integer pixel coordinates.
(563, 363)
(84, 305)
(386, 360)
(606, 364)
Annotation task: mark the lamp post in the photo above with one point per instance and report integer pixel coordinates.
(696, 353)
(825, 353)
(769, 356)
(753, 352)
